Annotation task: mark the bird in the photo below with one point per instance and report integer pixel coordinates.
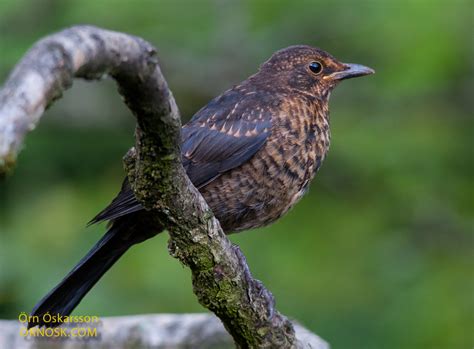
(251, 152)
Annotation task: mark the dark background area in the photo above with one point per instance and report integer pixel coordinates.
(379, 254)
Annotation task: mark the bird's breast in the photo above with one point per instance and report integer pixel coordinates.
(277, 176)
(305, 134)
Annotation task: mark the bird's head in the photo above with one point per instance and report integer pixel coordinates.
(309, 69)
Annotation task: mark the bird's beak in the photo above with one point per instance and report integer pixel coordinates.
(351, 71)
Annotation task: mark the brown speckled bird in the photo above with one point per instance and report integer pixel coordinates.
(251, 152)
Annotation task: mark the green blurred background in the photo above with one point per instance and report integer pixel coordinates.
(379, 254)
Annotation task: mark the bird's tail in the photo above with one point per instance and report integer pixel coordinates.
(69, 292)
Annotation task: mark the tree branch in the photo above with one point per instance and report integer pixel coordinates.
(157, 331)
(221, 278)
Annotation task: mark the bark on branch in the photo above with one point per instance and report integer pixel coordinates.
(221, 278)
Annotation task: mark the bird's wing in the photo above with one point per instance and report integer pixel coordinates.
(221, 136)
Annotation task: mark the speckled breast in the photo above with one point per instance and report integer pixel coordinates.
(277, 176)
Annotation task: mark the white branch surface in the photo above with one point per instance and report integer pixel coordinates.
(163, 331)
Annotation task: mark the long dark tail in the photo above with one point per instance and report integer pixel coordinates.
(69, 292)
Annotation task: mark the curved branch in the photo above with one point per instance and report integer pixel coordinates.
(221, 278)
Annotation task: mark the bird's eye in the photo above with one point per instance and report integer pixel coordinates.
(316, 67)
